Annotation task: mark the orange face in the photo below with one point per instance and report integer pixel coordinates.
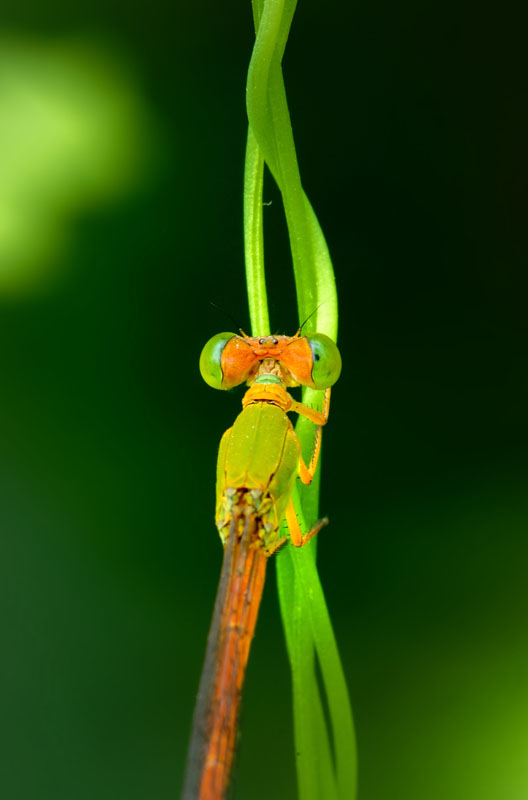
(227, 360)
(290, 358)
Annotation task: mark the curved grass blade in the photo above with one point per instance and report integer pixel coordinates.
(305, 616)
(254, 238)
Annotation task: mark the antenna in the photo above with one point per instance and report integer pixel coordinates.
(229, 315)
(310, 316)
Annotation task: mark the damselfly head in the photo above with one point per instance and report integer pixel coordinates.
(228, 360)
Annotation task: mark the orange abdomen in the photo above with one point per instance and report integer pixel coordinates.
(235, 616)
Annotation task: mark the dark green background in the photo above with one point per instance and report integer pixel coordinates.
(411, 132)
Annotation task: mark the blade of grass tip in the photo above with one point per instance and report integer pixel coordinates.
(254, 237)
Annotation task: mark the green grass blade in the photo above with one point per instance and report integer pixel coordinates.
(305, 616)
(270, 120)
(308, 715)
(254, 237)
(333, 678)
(312, 747)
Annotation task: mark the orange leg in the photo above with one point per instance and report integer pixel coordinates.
(278, 544)
(296, 535)
(319, 417)
(306, 473)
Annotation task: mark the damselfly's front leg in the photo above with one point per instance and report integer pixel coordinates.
(320, 418)
(306, 473)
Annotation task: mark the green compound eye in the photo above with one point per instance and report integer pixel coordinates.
(211, 358)
(326, 367)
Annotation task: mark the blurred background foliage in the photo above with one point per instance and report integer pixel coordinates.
(122, 134)
(72, 135)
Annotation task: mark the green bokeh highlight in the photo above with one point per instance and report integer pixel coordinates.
(74, 135)
(411, 142)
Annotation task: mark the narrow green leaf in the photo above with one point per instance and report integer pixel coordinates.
(305, 616)
(334, 681)
(254, 238)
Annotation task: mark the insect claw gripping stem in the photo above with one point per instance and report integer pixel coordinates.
(298, 538)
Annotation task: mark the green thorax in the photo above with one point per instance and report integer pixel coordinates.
(260, 452)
